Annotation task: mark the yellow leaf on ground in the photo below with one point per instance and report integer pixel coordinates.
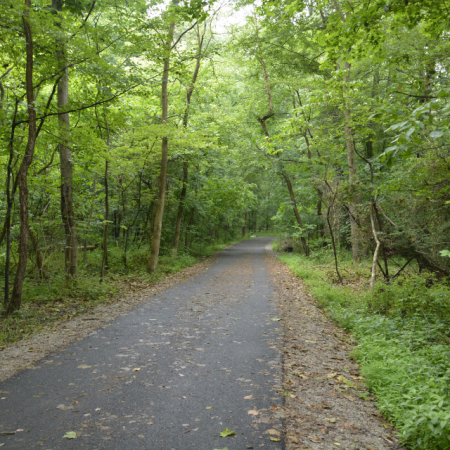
(248, 397)
(344, 380)
(275, 439)
(273, 432)
(253, 412)
(137, 369)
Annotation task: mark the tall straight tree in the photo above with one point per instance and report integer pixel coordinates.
(65, 155)
(189, 92)
(22, 175)
(156, 238)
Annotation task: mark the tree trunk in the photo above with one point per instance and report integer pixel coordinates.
(9, 206)
(188, 228)
(180, 210)
(89, 221)
(156, 241)
(352, 175)
(297, 214)
(16, 297)
(39, 258)
(262, 121)
(244, 228)
(105, 226)
(377, 249)
(65, 155)
(185, 164)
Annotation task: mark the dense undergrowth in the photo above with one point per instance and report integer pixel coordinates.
(50, 300)
(402, 331)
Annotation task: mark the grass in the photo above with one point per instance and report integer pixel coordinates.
(402, 331)
(47, 302)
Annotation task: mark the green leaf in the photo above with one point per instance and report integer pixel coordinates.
(436, 134)
(227, 432)
(70, 435)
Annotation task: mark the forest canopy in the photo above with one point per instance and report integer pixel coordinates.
(156, 126)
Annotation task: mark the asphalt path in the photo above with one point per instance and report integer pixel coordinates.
(173, 373)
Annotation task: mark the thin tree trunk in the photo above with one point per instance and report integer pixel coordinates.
(377, 249)
(334, 244)
(189, 93)
(89, 221)
(37, 251)
(262, 121)
(16, 297)
(297, 214)
(188, 228)
(156, 241)
(352, 174)
(180, 210)
(105, 226)
(244, 228)
(9, 206)
(65, 155)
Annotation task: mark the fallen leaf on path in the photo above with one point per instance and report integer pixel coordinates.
(276, 319)
(273, 432)
(331, 375)
(227, 432)
(344, 380)
(253, 412)
(248, 397)
(275, 439)
(70, 435)
(137, 369)
(331, 419)
(84, 366)
(208, 407)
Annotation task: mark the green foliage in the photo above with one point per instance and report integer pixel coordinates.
(402, 334)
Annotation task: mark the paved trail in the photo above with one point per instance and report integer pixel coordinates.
(172, 374)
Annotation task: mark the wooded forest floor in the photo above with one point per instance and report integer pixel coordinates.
(325, 403)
